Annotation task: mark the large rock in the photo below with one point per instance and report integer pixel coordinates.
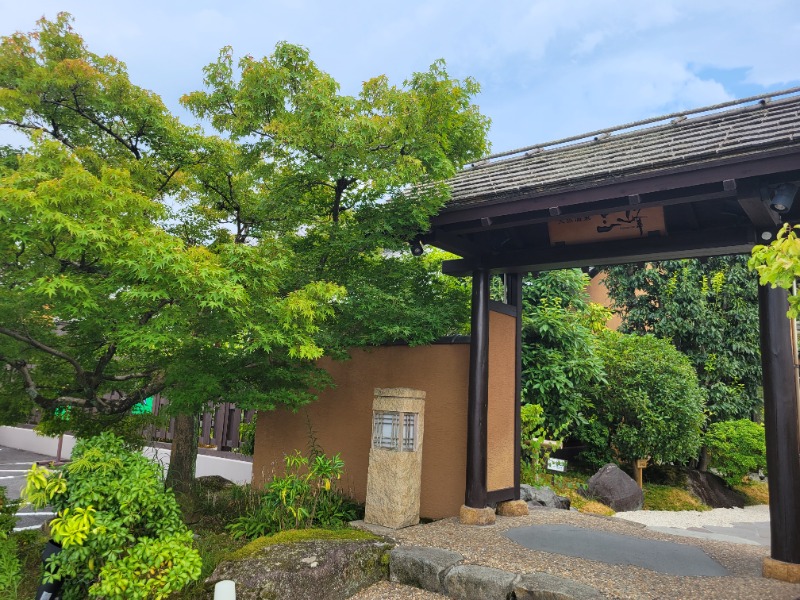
(542, 496)
(308, 570)
(712, 490)
(612, 486)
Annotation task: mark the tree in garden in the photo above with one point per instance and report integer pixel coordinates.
(102, 306)
(142, 256)
(709, 311)
(559, 348)
(347, 181)
(650, 404)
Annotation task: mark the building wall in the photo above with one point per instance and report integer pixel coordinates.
(342, 417)
(599, 294)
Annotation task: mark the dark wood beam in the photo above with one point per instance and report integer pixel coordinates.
(780, 423)
(671, 198)
(478, 392)
(761, 216)
(457, 244)
(679, 245)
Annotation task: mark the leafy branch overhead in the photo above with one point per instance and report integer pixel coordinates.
(139, 255)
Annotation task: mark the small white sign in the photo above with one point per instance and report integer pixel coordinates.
(556, 464)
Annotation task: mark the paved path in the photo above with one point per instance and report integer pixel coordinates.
(749, 525)
(13, 466)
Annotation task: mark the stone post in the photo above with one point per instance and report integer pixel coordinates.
(395, 458)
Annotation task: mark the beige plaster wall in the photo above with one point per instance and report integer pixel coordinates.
(342, 417)
(342, 420)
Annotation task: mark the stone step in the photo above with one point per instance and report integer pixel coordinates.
(443, 572)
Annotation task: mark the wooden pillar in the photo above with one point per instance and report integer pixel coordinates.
(478, 396)
(781, 424)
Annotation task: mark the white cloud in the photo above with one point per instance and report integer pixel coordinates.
(548, 67)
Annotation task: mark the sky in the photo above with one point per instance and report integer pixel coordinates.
(547, 68)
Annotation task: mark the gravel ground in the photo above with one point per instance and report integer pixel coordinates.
(720, 517)
(394, 591)
(489, 547)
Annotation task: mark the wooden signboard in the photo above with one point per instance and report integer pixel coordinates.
(634, 223)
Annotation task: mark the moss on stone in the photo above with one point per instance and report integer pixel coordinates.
(291, 536)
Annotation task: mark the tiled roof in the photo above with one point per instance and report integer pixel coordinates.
(608, 156)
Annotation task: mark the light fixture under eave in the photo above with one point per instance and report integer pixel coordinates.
(783, 197)
(416, 247)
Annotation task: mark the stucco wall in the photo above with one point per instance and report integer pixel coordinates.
(342, 417)
(342, 420)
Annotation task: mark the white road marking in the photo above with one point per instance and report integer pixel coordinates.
(26, 528)
(35, 514)
(13, 470)
(9, 476)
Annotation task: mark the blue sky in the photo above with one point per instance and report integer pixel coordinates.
(548, 68)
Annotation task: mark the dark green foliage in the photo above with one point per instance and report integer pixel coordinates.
(649, 405)
(559, 359)
(397, 298)
(9, 563)
(736, 448)
(305, 496)
(709, 311)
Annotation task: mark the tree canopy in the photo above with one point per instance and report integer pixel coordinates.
(139, 255)
(709, 311)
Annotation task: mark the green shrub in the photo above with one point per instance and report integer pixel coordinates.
(9, 563)
(121, 532)
(303, 497)
(533, 436)
(736, 448)
(651, 404)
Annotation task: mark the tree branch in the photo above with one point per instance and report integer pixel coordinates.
(26, 339)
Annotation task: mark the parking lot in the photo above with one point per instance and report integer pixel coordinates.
(13, 466)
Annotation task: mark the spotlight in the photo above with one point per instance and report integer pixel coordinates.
(416, 247)
(783, 198)
(592, 272)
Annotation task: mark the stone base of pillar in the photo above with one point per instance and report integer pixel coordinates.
(783, 571)
(476, 516)
(512, 508)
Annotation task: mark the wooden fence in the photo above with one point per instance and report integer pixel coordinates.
(219, 426)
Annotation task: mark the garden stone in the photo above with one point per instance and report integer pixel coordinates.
(713, 490)
(309, 570)
(542, 496)
(615, 488)
(473, 582)
(422, 567)
(541, 586)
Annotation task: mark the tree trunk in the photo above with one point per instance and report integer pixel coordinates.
(184, 454)
(702, 464)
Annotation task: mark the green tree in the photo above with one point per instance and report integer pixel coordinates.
(778, 264)
(559, 354)
(347, 181)
(709, 311)
(103, 304)
(650, 404)
(143, 256)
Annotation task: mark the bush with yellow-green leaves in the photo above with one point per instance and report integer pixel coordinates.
(121, 532)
